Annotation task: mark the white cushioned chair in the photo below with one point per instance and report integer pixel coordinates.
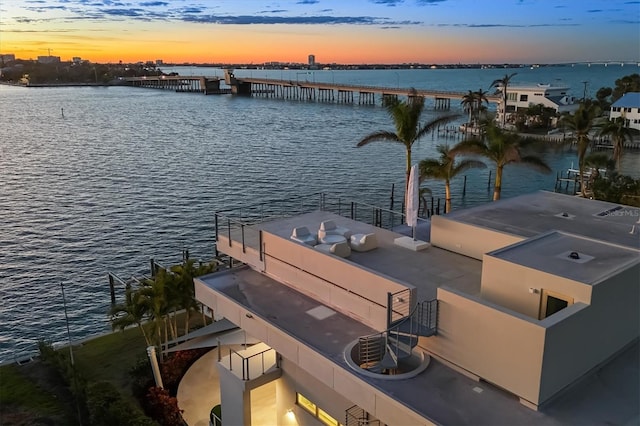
(302, 235)
(328, 227)
(363, 242)
(339, 249)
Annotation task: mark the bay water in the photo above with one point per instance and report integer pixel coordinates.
(101, 179)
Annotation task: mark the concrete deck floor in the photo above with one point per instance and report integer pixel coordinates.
(609, 396)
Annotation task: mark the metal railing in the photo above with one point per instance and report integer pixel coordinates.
(356, 416)
(247, 362)
(413, 320)
(399, 305)
(237, 224)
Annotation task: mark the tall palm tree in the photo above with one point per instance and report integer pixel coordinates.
(481, 96)
(153, 297)
(406, 118)
(581, 123)
(502, 84)
(128, 313)
(501, 148)
(469, 103)
(182, 292)
(619, 133)
(446, 168)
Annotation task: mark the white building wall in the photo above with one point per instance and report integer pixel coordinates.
(630, 114)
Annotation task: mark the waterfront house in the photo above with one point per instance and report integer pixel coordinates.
(505, 318)
(550, 96)
(628, 106)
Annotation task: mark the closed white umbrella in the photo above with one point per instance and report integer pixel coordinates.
(413, 200)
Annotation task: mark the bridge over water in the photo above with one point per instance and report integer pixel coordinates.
(298, 90)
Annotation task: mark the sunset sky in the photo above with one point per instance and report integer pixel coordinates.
(340, 31)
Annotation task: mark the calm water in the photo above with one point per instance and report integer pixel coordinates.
(129, 174)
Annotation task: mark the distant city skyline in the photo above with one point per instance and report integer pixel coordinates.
(357, 31)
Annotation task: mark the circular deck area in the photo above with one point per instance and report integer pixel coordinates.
(408, 367)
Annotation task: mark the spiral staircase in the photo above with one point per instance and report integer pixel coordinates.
(407, 320)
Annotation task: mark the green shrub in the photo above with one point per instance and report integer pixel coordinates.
(618, 189)
(107, 407)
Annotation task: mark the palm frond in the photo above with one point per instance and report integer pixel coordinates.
(536, 163)
(466, 165)
(381, 135)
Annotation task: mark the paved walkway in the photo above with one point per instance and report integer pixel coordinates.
(199, 390)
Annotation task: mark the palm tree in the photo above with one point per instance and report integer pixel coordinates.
(469, 103)
(481, 96)
(128, 313)
(619, 134)
(581, 123)
(183, 292)
(446, 168)
(502, 84)
(502, 148)
(153, 297)
(406, 118)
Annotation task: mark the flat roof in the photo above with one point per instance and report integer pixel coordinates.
(426, 270)
(540, 212)
(439, 393)
(570, 256)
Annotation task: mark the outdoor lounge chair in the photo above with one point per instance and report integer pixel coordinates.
(341, 249)
(302, 235)
(328, 227)
(363, 242)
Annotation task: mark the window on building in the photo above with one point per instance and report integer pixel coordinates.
(512, 96)
(306, 404)
(524, 98)
(325, 418)
(316, 412)
(627, 110)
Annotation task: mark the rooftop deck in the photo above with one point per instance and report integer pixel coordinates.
(441, 394)
(551, 252)
(539, 212)
(607, 395)
(426, 270)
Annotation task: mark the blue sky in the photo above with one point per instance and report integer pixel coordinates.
(428, 31)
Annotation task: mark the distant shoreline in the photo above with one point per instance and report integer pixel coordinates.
(8, 83)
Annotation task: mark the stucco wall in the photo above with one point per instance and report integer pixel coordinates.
(351, 289)
(577, 342)
(250, 255)
(492, 342)
(302, 362)
(468, 240)
(507, 284)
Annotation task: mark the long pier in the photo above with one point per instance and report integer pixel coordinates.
(177, 83)
(298, 90)
(337, 92)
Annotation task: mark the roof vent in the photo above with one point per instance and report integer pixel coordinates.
(575, 256)
(565, 215)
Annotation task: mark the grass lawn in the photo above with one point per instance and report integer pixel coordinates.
(32, 394)
(26, 399)
(111, 357)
